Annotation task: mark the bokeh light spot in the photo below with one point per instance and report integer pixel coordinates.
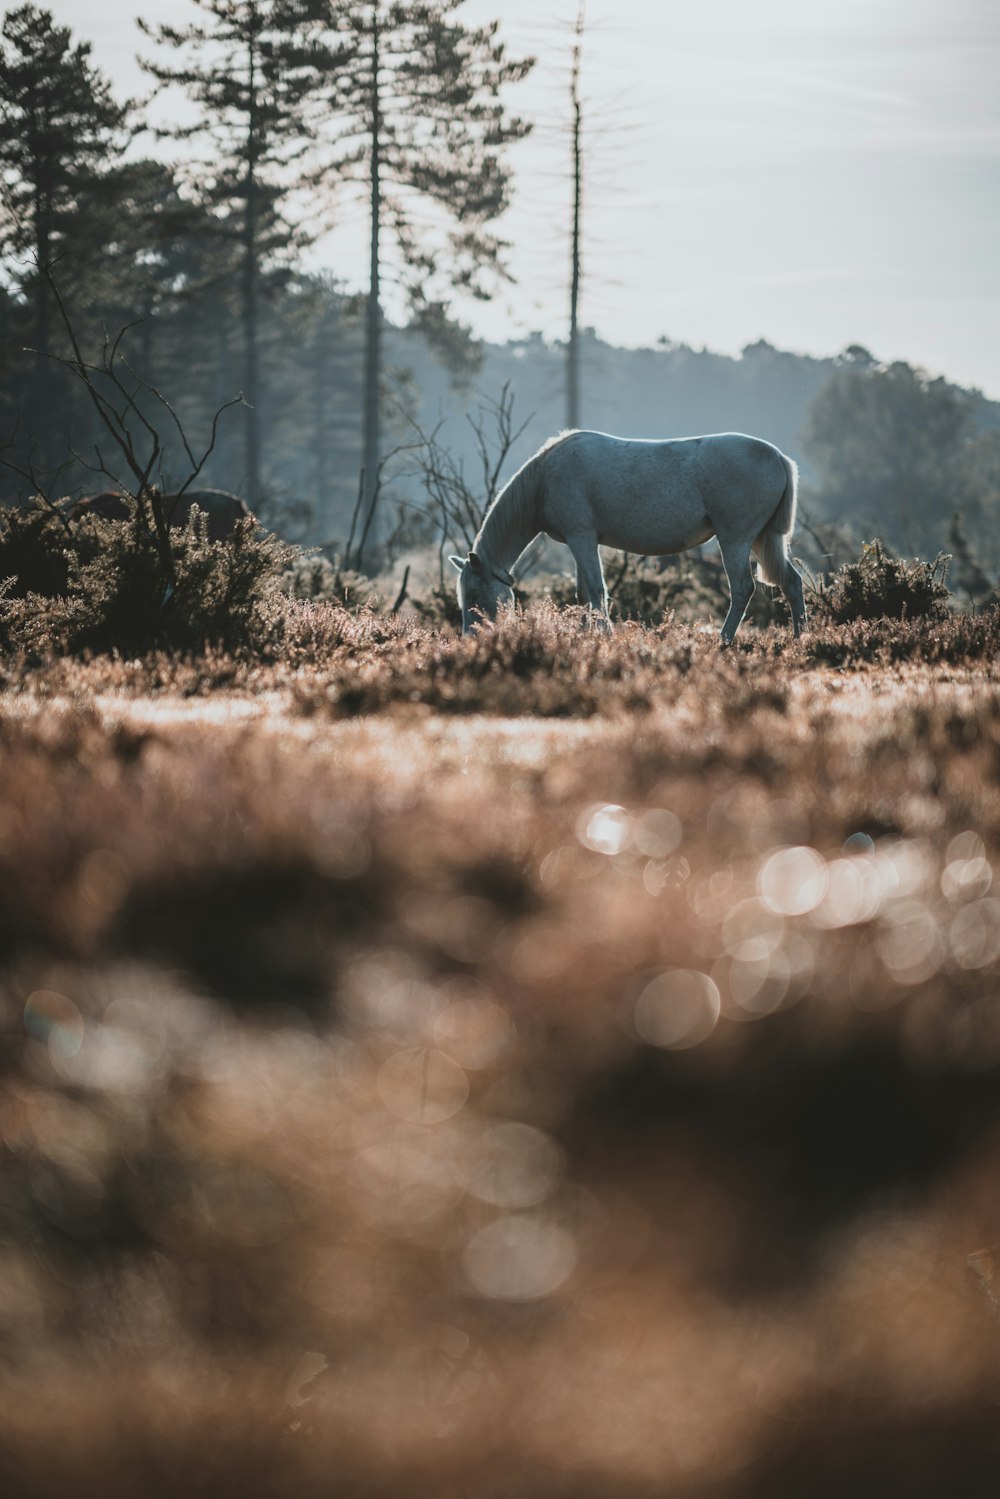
(659, 875)
(408, 1175)
(974, 934)
(966, 879)
(793, 881)
(474, 1031)
(853, 894)
(55, 1020)
(752, 931)
(758, 984)
(422, 1086)
(678, 1009)
(657, 833)
(521, 1257)
(963, 846)
(606, 829)
(515, 1166)
(910, 946)
(907, 865)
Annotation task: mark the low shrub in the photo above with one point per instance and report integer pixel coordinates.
(101, 585)
(440, 607)
(881, 586)
(35, 546)
(313, 577)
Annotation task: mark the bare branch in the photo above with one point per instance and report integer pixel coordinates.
(401, 595)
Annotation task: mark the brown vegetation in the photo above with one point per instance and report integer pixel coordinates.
(412, 1088)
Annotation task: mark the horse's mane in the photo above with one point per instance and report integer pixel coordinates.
(513, 510)
(555, 441)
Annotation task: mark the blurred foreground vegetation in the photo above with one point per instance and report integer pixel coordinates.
(400, 1099)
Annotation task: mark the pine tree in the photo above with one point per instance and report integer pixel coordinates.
(62, 135)
(420, 116)
(250, 69)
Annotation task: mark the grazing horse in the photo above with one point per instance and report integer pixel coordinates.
(650, 497)
(223, 509)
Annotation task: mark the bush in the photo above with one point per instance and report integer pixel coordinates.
(881, 586)
(314, 578)
(440, 607)
(34, 550)
(103, 585)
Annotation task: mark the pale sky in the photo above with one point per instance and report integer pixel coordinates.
(812, 172)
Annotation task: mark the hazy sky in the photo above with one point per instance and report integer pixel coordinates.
(812, 172)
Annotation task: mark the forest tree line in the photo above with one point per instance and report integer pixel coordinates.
(195, 243)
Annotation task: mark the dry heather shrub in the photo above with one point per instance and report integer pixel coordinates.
(98, 585)
(551, 662)
(34, 545)
(881, 586)
(543, 661)
(94, 584)
(313, 577)
(439, 606)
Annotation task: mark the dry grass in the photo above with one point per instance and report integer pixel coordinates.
(416, 1086)
(544, 662)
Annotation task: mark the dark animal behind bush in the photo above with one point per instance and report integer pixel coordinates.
(96, 584)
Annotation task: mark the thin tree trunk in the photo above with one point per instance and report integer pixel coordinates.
(322, 504)
(373, 330)
(42, 418)
(250, 274)
(573, 347)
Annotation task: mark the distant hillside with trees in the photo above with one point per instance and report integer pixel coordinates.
(884, 448)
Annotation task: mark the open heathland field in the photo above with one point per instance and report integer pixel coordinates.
(543, 1065)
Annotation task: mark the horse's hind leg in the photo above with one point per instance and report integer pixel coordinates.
(791, 587)
(590, 586)
(736, 561)
(784, 575)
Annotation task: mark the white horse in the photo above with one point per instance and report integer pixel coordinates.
(653, 498)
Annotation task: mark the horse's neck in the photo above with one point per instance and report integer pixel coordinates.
(512, 521)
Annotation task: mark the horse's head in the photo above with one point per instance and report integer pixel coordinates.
(482, 588)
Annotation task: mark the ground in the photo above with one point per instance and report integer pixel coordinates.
(412, 1092)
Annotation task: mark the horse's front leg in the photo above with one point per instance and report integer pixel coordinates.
(591, 588)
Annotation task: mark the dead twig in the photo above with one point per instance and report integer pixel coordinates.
(401, 595)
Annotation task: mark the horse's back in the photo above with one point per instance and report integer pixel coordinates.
(660, 495)
(585, 453)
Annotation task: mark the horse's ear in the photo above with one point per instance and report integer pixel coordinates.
(475, 562)
(457, 563)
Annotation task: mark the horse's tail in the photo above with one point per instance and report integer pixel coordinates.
(772, 543)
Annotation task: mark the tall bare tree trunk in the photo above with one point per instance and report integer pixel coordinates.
(322, 489)
(42, 418)
(373, 329)
(573, 346)
(250, 290)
